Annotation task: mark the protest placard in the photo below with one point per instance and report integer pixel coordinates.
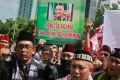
(111, 30)
(60, 21)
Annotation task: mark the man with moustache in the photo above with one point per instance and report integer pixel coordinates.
(113, 68)
(80, 68)
(61, 13)
(22, 66)
(66, 57)
(5, 40)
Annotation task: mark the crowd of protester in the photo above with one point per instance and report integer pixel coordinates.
(24, 60)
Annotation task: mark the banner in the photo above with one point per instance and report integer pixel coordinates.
(111, 30)
(60, 21)
(94, 40)
(100, 34)
(100, 31)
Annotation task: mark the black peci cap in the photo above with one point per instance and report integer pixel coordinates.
(24, 35)
(116, 52)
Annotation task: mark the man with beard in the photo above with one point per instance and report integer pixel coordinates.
(47, 70)
(80, 68)
(66, 57)
(113, 68)
(103, 56)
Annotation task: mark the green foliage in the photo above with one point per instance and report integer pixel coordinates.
(13, 27)
(99, 13)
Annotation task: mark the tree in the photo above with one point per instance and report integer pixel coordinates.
(13, 27)
(5, 27)
(99, 13)
(31, 25)
(24, 24)
(1, 24)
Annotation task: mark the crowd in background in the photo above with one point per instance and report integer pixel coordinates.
(24, 60)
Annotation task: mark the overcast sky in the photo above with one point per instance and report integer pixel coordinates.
(8, 9)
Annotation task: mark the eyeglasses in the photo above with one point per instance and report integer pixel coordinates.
(26, 46)
(105, 54)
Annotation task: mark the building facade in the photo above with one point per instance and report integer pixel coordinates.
(27, 9)
(93, 5)
(110, 2)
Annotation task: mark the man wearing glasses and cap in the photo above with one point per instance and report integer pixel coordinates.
(23, 66)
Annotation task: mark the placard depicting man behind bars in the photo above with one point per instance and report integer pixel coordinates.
(60, 21)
